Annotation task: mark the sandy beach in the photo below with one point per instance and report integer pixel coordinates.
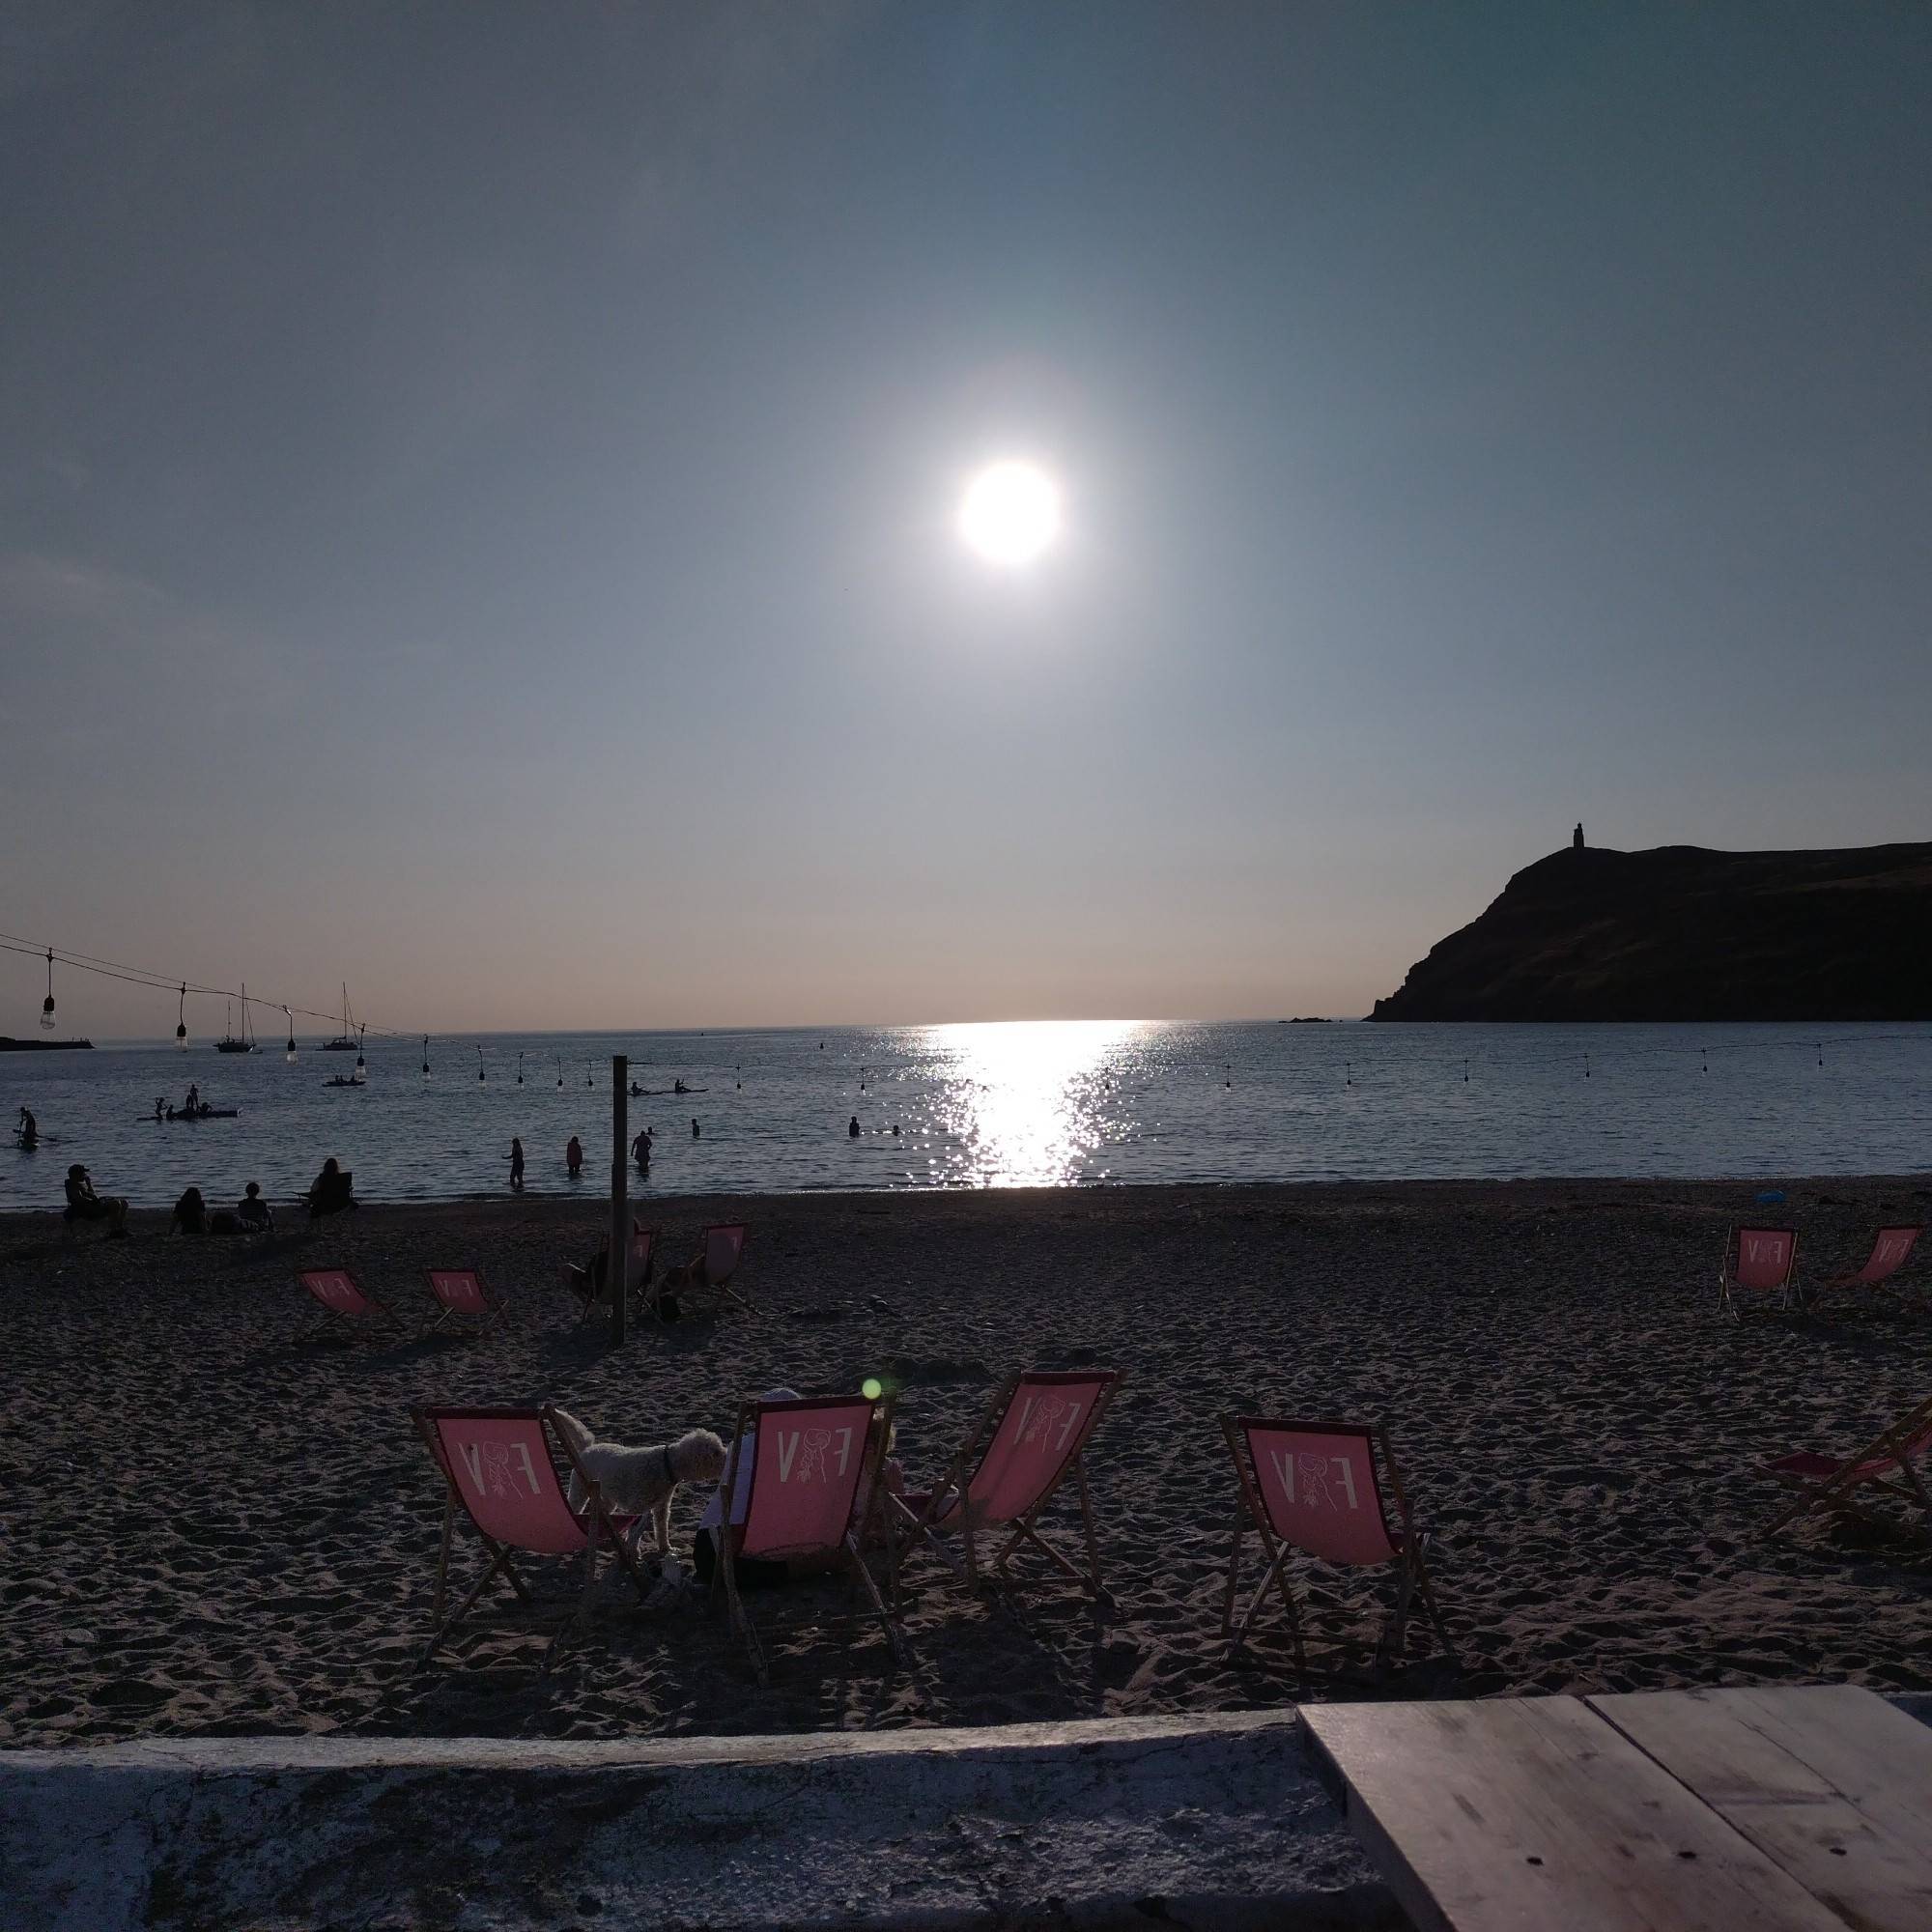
(211, 1530)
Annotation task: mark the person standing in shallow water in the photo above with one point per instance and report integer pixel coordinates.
(516, 1166)
(641, 1150)
(693, 1129)
(573, 1157)
(852, 1131)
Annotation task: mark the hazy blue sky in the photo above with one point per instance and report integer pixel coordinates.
(476, 482)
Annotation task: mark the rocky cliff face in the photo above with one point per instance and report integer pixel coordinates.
(1684, 934)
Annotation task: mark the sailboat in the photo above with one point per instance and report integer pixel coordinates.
(228, 1043)
(345, 1041)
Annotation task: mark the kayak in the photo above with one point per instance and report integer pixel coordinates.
(203, 1114)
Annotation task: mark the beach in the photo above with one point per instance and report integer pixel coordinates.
(212, 1531)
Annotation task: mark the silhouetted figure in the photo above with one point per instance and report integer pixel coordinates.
(255, 1215)
(693, 1129)
(636, 1091)
(516, 1166)
(852, 1131)
(28, 1132)
(192, 1105)
(83, 1204)
(641, 1150)
(1577, 837)
(191, 1213)
(573, 1158)
(332, 1192)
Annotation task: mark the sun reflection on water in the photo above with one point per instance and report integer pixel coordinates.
(1025, 1101)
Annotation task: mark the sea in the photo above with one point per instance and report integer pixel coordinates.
(1020, 1104)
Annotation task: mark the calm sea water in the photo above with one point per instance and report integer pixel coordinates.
(1036, 1103)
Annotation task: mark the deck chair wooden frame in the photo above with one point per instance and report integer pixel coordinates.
(1731, 1291)
(441, 1312)
(596, 1523)
(324, 1317)
(940, 1516)
(722, 1288)
(1410, 1561)
(1888, 1463)
(1892, 1250)
(859, 1520)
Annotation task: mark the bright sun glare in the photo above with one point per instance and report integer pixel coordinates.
(1010, 513)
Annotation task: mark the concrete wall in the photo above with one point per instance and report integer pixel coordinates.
(1211, 1822)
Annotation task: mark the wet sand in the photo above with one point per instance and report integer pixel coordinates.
(209, 1530)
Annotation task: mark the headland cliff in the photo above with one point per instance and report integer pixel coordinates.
(1682, 933)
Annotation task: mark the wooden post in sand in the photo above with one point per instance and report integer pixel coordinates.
(617, 1272)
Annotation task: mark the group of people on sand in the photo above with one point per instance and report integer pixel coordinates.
(251, 1216)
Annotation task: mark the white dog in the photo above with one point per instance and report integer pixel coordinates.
(639, 1480)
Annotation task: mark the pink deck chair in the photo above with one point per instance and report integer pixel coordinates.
(1888, 1463)
(1314, 1487)
(1036, 1431)
(499, 1469)
(724, 1255)
(461, 1296)
(339, 1298)
(1760, 1262)
(809, 1459)
(1891, 1248)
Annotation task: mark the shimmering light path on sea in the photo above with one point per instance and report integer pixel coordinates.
(1022, 1105)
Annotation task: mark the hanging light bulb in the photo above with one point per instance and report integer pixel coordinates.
(479, 1066)
(425, 1056)
(560, 1073)
(180, 1024)
(519, 1069)
(48, 1005)
(587, 1073)
(291, 1018)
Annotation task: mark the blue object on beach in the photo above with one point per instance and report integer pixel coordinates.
(1772, 1194)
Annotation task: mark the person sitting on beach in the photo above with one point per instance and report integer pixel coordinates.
(254, 1213)
(83, 1204)
(573, 1157)
(753, 1573)
(191, 1213)
(330, 1193)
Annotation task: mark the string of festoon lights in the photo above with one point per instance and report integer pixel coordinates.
(184, 988)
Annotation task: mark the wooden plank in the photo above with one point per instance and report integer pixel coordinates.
(1831, 1783)
(1533, 1813)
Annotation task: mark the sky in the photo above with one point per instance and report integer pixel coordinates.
(478, 490)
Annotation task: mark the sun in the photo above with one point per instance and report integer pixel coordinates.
(1011, 514)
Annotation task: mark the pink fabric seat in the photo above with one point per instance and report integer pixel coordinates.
(1759, 1265)
(462, 1296)
(339, 1298)
(810, 1456)
(1317, 1489)
(499, 1469)
(1887, 1467)
(1891, 1248)
(1034, 1434)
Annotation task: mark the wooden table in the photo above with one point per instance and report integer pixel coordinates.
(1804, 1810)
